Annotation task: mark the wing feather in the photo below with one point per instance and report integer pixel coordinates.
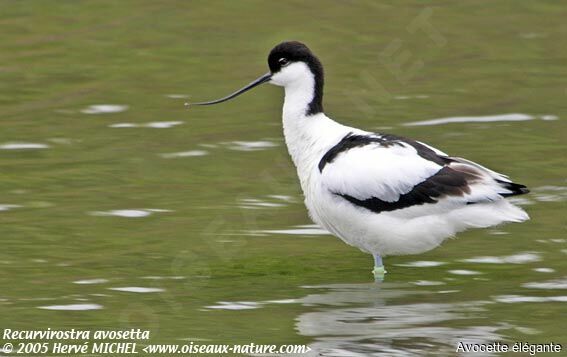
(388, 173)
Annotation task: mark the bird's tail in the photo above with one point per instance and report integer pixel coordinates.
(513, 189)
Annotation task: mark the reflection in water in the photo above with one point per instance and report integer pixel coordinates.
(369, 320)
(381, 327)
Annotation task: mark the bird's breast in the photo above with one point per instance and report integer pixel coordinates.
(308, 138)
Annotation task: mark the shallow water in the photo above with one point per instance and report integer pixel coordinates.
(121, 209)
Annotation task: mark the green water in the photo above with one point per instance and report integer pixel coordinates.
(205, 211)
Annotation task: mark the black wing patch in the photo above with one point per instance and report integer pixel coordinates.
(515, 188)
(351, 141)
(446, 182)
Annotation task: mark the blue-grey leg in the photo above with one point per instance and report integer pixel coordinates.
(379, 269)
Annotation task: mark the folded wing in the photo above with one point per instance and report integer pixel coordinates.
(386, 173)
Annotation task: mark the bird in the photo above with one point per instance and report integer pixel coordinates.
(382, 193)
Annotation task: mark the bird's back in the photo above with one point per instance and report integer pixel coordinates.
(397, 195)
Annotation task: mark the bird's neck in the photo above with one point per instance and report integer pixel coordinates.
(307, 135)
(304, 97)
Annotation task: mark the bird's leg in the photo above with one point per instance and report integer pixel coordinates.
(379, 269)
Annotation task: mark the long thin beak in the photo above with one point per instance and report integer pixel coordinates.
(266, 77)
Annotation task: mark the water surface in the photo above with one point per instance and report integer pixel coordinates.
(121, 209)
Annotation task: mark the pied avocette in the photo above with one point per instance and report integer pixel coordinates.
(385, 194)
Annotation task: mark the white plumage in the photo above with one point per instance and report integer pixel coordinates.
(384, 194)
(377, 171)
(387, 173)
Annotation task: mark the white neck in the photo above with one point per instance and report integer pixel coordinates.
(298, 95)
(307, 137)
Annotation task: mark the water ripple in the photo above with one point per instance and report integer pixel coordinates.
(551, 284)
(254, 203)
(428, 283)
(129, 213)
(72, 307)
(381, 327)
(405, 97)
(163, 277)
(464, 272)
(237, 305)
(137, 289)
(177, 96)
(421, 264)
(511, 299)
(307, 229)
(480, 119)
(550, 193)
(104, 109)
(251, 145)
(90, 281)
(153, 124)
(190, 153)
(7, 207)
(23, 146)
(520, 258)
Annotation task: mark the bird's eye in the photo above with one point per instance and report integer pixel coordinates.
(283, 61)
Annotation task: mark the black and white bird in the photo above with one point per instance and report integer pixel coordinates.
(385, 194)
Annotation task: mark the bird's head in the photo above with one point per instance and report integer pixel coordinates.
(290, 63)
